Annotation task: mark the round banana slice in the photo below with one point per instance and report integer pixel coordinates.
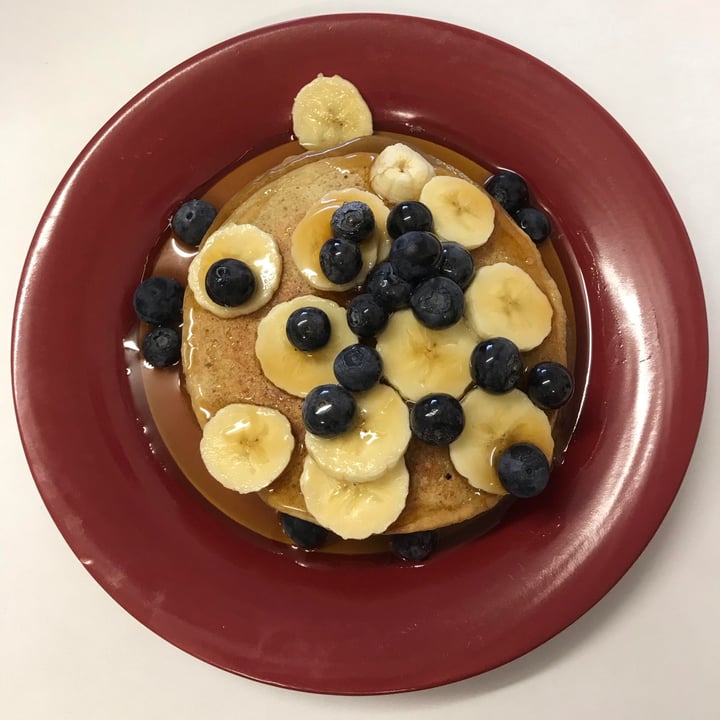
(376, 441)
(418, 360)
(329, 111)
(246, 447)
(504, 301)
(461, 211)
(297, 371)
(399, 173)
(244, 242)
(314, 230)
(492, 424)
(352, 510)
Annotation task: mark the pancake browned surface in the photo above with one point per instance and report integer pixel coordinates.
(219, 359)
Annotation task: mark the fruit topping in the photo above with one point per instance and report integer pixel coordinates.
(355, 510)
(415, 546)
(329, 111)
(534, 222)
(192, 220)
(328, 410)
(308, 328)
(297, 371)
(550, 385)
(376, 441)
(353, 220)
(461, 211)
(249, 245)
(496, 365)
(418, 360)
(457, 264)
(437, 419)
(387, 287)
(399, 173)
(409, 215)
(161, 346)
(504, 301)
(313, 231)
(358, 367)
(438, 302)
(415, 255)
(158, 301)
(245, 447)
(303, 533)
(229, 282)
(523, 470)
(340, 260)
(366, 316)
(492, 424)
(509, 189)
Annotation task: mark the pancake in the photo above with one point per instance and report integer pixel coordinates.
(219, 362)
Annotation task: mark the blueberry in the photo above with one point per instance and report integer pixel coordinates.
(509, 189)
(550, 385)
(357, 367)
(496, 365)
(438, 302)
(328, 410)
(414, 547)
(229, 282)
(407, 216)
(192, 220)
(437, 419)
(534, 222)
(308, 328)
(366, 316)
(387, 287)
(353, 221)
(457, 264)
(158, 301)
(523, 470)
(303, 533)
(340, 260)
(161, 347)
(416, 255)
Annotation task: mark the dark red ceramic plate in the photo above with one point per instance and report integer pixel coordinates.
(360, 624)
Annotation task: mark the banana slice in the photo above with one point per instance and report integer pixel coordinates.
(492, 424)
(354, 510)
(314, 230)
(375, 442)
(242, 242)
(296, 371)
(461, 211)
(418, 360)
(329, 111)
(503, 300)
(246, 447)
(399, 173)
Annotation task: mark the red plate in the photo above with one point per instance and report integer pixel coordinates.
(360, 624)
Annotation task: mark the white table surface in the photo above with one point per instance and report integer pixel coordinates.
(649, 649)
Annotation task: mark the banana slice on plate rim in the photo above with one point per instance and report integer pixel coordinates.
(329, 111)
